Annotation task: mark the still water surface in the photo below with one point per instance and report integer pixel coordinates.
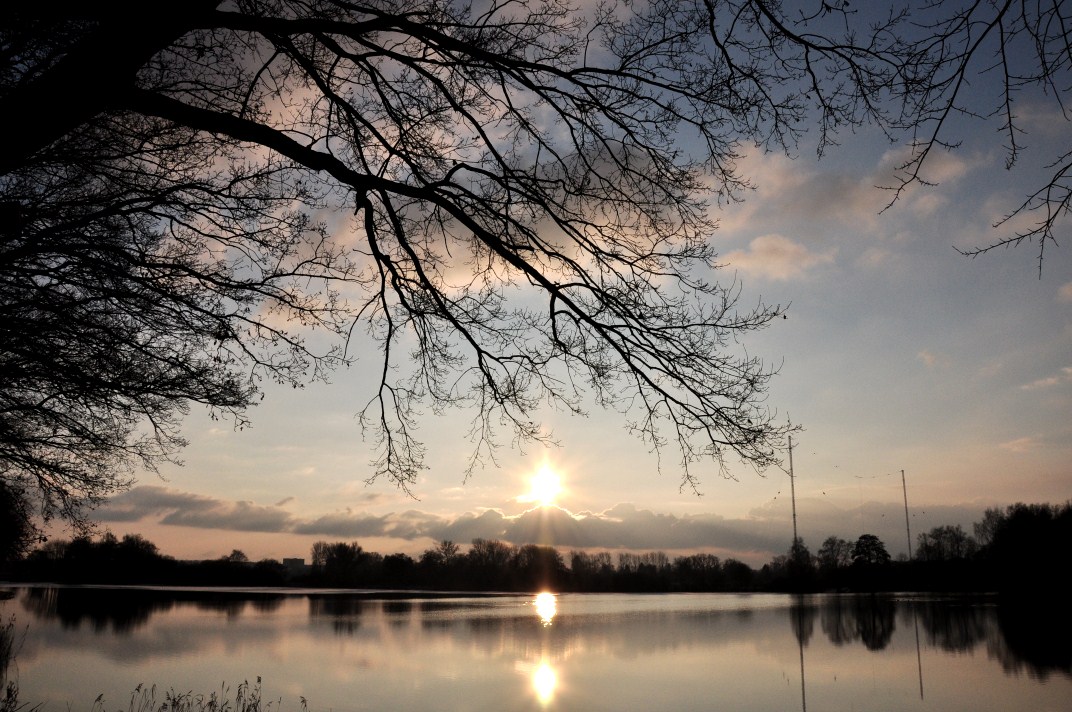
(343, 652)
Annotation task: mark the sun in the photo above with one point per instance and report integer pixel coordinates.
(545, 486)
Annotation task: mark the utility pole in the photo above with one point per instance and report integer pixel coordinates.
(904, 488)
(793, 492)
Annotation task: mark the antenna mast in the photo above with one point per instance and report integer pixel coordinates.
(904, 488)
(793, 491)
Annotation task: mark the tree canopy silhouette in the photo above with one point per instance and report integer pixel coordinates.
(516, 195)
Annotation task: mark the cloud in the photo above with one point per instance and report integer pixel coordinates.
(794, 195)
(932, 360)
(1065, 376)
(623, 526)
(776, 257)
(192, 510)
(1021, 445)
(1064, 294)
(346, 525)
(755, 538)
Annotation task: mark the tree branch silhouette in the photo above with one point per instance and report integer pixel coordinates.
(516, 197)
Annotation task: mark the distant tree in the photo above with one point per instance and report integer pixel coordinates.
(237, 556)
(1031, 549)
(268, 572)
(603, 562)
(801, 564)
(399, 569)
(592, 571)
(339, 563)
(537, 567)
(448, 551)
(319, 555)
(489, 554)
(488, 564)
(580, 563)
(800, 555)
(945, 543)
(698, 572)
(628, 562)
(431, 559)
(986, 527)
(135, 545)
(835, 553)
(738, 575)
(441, 564)
(791, 571)
(869, 550)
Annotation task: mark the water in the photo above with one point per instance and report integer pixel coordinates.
(571, 652)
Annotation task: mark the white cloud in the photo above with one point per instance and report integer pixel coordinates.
(776, 257)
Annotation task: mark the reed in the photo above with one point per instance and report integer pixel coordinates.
(247, 698)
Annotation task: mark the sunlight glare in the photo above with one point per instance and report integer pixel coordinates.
(545, 487)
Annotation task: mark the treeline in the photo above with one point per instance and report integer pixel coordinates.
(1022, 548)
(492, 565)
(136, 560)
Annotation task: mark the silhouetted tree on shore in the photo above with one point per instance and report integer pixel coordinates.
(1031, 549)
(18, 532)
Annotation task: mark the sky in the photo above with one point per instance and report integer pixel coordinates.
(897, 355)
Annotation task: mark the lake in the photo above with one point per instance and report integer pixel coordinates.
(347, 651)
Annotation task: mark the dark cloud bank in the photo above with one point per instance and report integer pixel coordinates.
(624, 526)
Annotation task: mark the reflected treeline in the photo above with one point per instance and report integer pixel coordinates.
(869, 620)
(1031, 637)
(1032, 640)
(121, 610)
(342, 612)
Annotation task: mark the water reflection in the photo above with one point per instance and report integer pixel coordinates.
(1034, 640)
(869, 619)
(544, 676)
(802, 614)
(544, 681)
(342, 612)
(546, 607)
(554, 652)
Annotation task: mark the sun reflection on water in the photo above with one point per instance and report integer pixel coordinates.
(544, 680)
(546, 607)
